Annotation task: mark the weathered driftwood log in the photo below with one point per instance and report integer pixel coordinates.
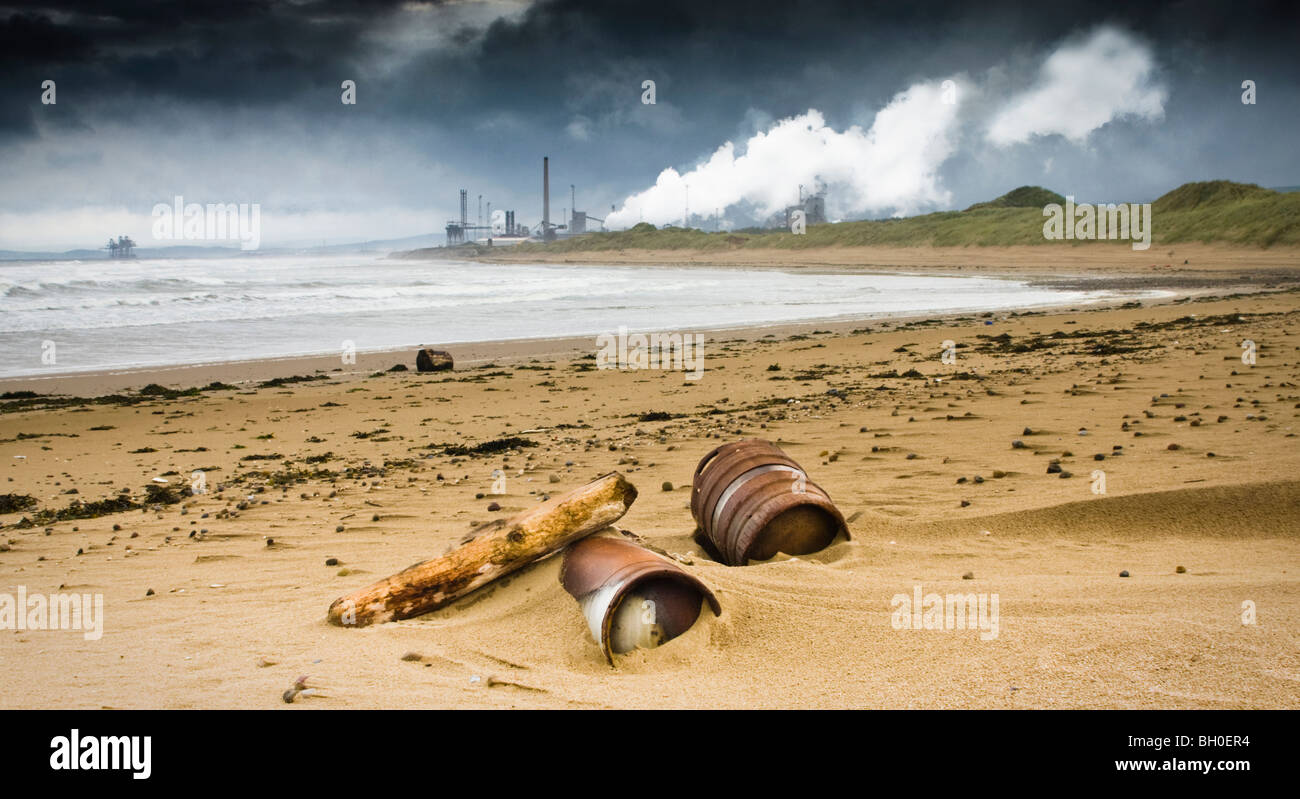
(427, 360)
(489, 552)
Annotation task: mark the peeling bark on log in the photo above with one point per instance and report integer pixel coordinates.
(490, 551)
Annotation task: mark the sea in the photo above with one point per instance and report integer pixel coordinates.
(77, 316)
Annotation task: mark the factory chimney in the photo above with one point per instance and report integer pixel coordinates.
(547, 233)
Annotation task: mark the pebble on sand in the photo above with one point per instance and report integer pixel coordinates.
(968, 576)
(667, 486)
(1124, 573)
(1180, 570)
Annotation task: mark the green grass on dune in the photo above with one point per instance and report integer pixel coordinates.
(1023, 197)
(1231, 213)
(1208, 212)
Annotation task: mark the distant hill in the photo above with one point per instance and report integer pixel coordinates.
(1235, 213)
(1209, 192)
(1213, 211)
(1023, 197)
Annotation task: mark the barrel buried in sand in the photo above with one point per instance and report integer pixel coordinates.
(752, 501)
(631, 597)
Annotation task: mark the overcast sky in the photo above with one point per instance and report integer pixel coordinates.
(239, 101)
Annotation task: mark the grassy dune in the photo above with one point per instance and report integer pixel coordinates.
(1207, 212)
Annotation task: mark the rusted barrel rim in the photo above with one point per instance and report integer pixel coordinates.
(755, 506)
(734, 496)
(728, 453)
(747, 536)
(603, 570)
(699, 469)
(727, 473)
(728, 499)
(748, 496)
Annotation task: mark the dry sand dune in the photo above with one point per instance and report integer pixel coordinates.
(1205, 478)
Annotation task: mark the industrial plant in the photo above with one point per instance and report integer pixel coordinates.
(813, 206)
(504, 230)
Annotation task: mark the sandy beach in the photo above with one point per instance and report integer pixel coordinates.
(1183, 261)
(977, 476)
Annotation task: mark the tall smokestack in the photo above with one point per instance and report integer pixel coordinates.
(546, 197)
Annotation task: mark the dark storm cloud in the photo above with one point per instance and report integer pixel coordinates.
(717, 55)
(115, 56)
(31, 39)
(481, 90)
(229, 52)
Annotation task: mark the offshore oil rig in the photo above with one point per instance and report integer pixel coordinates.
(122, 248)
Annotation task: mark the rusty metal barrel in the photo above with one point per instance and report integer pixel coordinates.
(752, 501)
(631, 597)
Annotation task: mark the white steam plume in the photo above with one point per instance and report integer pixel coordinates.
(1081, 87)
(891, 167)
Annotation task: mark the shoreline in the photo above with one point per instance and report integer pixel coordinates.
(1090, 259)
(1180, 285)
(477, 353)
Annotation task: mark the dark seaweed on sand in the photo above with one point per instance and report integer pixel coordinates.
(29, 400)
(284, 381)
(14, 503)
(485, 448)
